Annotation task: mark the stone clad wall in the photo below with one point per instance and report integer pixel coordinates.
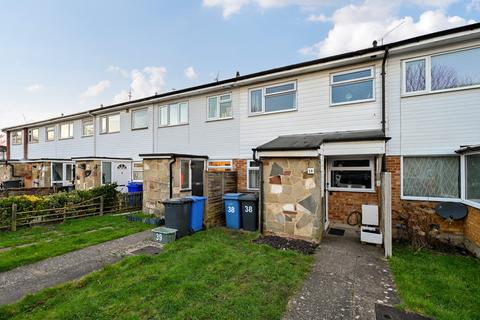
(292, 198)
(472, 231)
(5, 172)
(88, 174)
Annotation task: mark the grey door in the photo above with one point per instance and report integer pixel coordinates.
(197, 177)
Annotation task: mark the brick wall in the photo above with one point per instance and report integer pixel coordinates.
(472, 230)
(240, 166)
(341, 203)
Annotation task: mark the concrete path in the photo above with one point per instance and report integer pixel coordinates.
(347, 280)
(17, 283)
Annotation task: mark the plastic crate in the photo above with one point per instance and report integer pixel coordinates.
(164, 234)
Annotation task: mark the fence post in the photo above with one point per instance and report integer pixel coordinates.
(13, 225)
(101, 205)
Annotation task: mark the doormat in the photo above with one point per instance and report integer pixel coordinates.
(148, 250)
(383, 312)
(336, 232)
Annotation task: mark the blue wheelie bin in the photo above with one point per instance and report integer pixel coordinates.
(232, 210)
(198, 209)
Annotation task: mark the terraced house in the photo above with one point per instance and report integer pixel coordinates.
(312, 138)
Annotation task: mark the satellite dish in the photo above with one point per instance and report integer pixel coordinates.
(451, 210)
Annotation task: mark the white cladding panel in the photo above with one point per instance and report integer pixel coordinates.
(313, 114)
(353, 148)
(436, 123)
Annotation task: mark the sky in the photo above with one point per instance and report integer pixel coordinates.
(61, 56)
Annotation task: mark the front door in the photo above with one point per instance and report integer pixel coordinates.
(198, 167)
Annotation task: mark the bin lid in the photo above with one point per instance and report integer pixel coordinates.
(134, 183)
(177, 200)
(197, 198)
(249, 196)
(231, 196)
(164, 230)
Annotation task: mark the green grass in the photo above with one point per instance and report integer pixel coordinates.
(29, 245)
(444, 286)
(215, 274)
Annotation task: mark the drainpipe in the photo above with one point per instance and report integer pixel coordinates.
(94, 134)
(260, 195)
(384, 73)
(171, 175)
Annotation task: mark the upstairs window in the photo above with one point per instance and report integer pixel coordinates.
(220, 107)
(415, 75)
(33, 135)
(50, 133)
(17, 137)
(173, 114)
(110, 123)
(352, 86)
(66, 130)
(276, 98)
(87, 128)
(140, 119)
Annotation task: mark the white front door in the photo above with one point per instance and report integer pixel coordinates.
(121, 174)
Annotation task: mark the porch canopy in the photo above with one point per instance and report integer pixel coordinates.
(327, 143)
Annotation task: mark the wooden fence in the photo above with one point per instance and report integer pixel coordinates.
(217, 184)
(124, 202)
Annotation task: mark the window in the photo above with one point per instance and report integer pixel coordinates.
(277, 98)
(352, 175)
(110, 123)
(185, 174)
(352, 86)
(57, 172)
(17, 137)
(472, 170)
(253, 175)
(66, 130)
(219, 107)
(50, 133)
(219, 165)
(137, 171)
(33, 135)
(106, 172)
(431, 177)
(69, 171)
(173, 114)
(87, 128)
(140, 119)
(445, 71)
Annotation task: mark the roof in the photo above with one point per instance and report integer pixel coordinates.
(351, 54)
(170, 155)
(469, 148)
(315, 140)
(99, 158)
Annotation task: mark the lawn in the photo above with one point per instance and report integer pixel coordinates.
(444, 286)
(29, 245)
(215, 274)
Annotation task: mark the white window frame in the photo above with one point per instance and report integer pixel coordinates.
(88, 122)
(160, 125)
(218, 106)
(229, 167)
(370, 168)
(30, 136)
(48, 129)
(106, 130)
(132, 112)
(428, 74)
(264, 94)
(189, 175)
(70, 130)
(358, 80)
(464, 181)
(137, 170)
(15, 136)
(101, 173)
(64, 180)
(248, 174)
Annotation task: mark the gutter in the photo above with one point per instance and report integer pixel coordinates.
(261, 198)
(174, 159)
(384, 73)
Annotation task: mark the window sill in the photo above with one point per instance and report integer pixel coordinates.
(69, 138)
(351, 102)
(185, 190)
(174, 125)
(352, 190)
(104, 133)
(138, 129)
(88, 136)
(432, 199)
(424, 93)
(272, 112)
(220, 119)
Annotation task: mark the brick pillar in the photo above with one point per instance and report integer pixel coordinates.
(240, 166)
(25, 143)
(8, 145)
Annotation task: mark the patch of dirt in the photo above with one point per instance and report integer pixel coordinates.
(302, 246)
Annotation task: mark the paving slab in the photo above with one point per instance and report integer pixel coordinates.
(17, 283)
(346, 282)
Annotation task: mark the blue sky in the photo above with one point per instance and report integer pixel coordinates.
(68, 56)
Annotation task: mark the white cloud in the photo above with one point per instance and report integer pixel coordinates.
(318, 18)
(231, 7)
(118, 70)
(190, 73)
(144, 83)
(95, 90)
(356, 26)
(36, 87)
